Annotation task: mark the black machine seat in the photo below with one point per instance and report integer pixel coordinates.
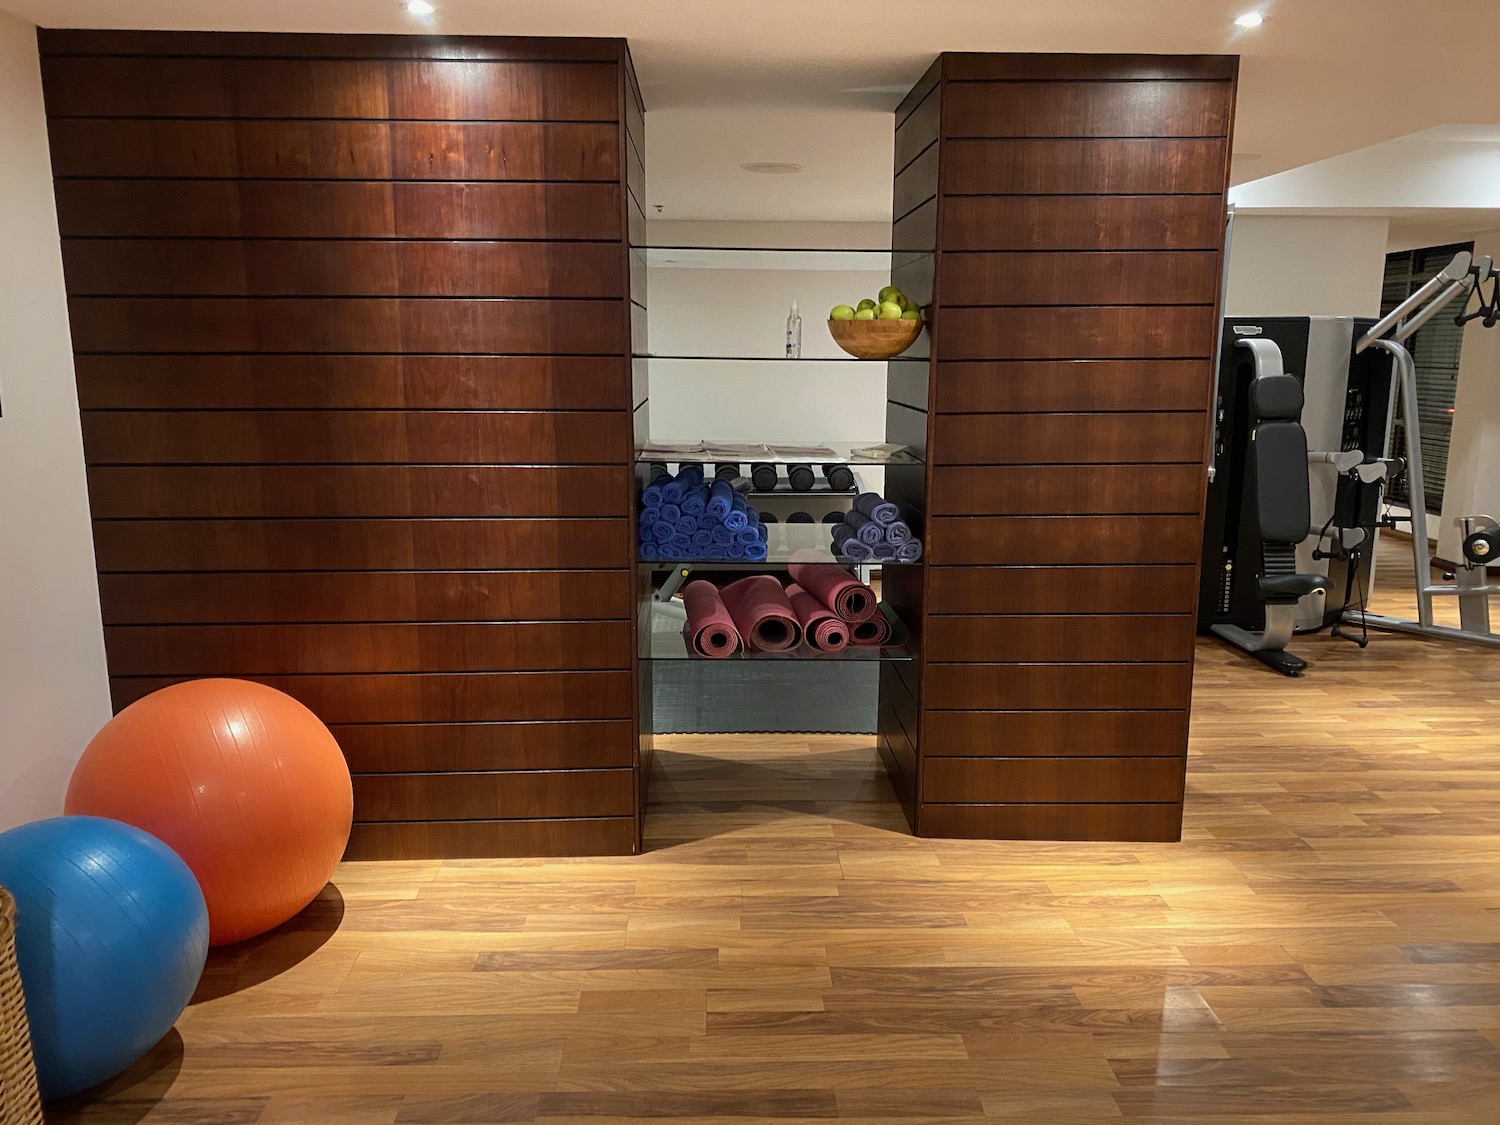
(1291, 587)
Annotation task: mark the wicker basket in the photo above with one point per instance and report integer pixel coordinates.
(19, 1101)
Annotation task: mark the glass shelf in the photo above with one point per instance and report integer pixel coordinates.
(775, 453)
(766, 258)
(872, 363)
(787, 543)
(665, 638)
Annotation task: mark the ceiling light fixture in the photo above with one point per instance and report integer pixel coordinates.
(772, 168)
(1250, 19)
(419, 8)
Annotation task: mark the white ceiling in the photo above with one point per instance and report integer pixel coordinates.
(813, 81)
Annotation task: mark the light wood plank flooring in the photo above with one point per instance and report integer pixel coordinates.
(1323, 947)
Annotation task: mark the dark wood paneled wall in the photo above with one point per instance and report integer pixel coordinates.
(352, 318)
(1064, 216)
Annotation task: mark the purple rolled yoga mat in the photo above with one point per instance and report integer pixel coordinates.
(875, 631)
(836, 588)
(880, 510)
(821, 627)
(761, 613)
(867, 530)
(710, 627)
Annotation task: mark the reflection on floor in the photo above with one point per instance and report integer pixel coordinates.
(1323, 947)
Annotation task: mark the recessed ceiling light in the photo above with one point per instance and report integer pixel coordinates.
(772, 168)
(1250, 19)
(419, 8)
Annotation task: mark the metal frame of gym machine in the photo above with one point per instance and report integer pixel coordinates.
(1481, 534)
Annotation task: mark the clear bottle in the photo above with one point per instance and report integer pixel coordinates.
(794, 333)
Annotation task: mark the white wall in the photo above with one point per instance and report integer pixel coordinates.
(1299, 265)
(53, 690)
(1473, 484)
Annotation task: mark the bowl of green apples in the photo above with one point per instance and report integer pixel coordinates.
(878, 328)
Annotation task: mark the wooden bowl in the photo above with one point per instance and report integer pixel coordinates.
(875, 339)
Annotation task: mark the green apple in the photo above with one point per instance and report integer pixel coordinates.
(841, 312)
(889, 311)
(913, 313)
(867, 304)
(864, 314)
(906, 303)
(890, 293)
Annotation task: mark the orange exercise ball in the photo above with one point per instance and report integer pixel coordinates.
(240, 780)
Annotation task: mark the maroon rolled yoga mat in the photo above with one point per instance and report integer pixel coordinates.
(875, 631)
(823, 629)
(709, 624)
(762, 614)
(836, 588)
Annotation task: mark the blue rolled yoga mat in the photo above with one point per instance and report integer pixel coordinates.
(884, 551)
(649, 516)
(897, 533)
(866, 530)
(722, 536)
(736, 521)
(721, 499)
(855, 551)
(737, 550)
(757, 552)
(648, 550)
(703, 537)
(687, 525)
(880, 510)
(662, 531)
(669, 512)
(910, 551)
(651, 495)
(749, 536)
(682, 547)
(740, 503)
(695, 502)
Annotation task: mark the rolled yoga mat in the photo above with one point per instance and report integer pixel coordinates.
(910, 551)
(650, 516)
(883, 552)
(669, 513)
(866, 530)
(855, 551)
(801, 477)
(653, 495)
(762, 613)
(821, 627)
(695, 502)
(726, 470)
(736, 521)
(710, 627)
(764, 476)
(840, 477)
(720, 499)
(702, 539)
(875, 631)
(880, 510)
(836, 588)
(722, 536)
(897, 532)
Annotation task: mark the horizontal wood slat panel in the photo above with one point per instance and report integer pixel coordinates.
(1154, 823)
(352, 382)
(347, 324)
(1071, 637)
(1083, 222)
(435, 698)
(966, 66)
(1165, 331)
(332, 491)
(333, 150)
(343, 544)
(916, 184)
(374, 268)
(360, 595)
(916, 231)
(1057, 733)
(466, 747)
(1051, 780)
(366, 437)
(297, 650)
(544, 794)
(1072, 384)
(441, 90)
(1086, 109)
(1045, 589)
(1140, 277)
(1049, 687)
(1066, 489)
(278, 45)
(918, 130)
(1084, 167)
(480, 839)
(1063, 540)
(1096, 439)
(158, 208)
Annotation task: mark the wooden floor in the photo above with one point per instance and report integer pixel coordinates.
(1323, 947)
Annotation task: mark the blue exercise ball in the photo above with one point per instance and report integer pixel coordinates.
(111, 938)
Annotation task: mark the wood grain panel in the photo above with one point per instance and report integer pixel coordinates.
(333, 150)
(158, 208)
(1071, 385)
(1065, 490)
(917, 230)
(968, 781)
(1045, 638)
(1158, 823)
(281, 324)
(1063, 540)
(1141, 277)
(344, 268)
(539, 794)
(282, 649)
(1164, 331)
(1097, 439)
(1043, 589)
(482, 838)
(1057, 733)
(916, 184)
(900, 759)
(1049, 687)
(967, 66)
(352, 382)
(472, 747)
(343, 543)
(919, 129)
(1084, 167)
(278, 596)
(459, 697)
(1132, 108)
(1083, 222)
(341, 491)
(277, 45)
(269, 437)
(390, 90)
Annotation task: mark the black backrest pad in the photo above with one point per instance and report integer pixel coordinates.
(1278, 464)
(1276, 398)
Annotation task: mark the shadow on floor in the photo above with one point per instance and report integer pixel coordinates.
(132, 1094)
(233, 968)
